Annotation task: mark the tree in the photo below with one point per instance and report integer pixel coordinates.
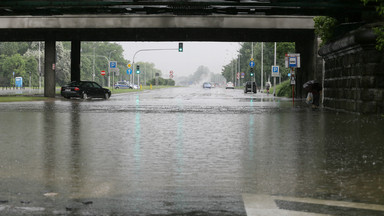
(379, 31)
(245, 53)
(94, 59)
(63, 64)
(324, 28)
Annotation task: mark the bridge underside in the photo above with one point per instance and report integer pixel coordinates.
(156, 34)
(222, 29)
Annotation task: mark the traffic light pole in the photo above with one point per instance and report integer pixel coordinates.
(133, 61)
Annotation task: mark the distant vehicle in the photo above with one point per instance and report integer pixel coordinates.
(123, 85)
(229, 86)
(207, 85)
(84, 90)
(248, 87)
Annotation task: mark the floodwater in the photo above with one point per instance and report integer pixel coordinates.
(182, 151)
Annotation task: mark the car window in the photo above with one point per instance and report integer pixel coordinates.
(95, 85)
(86, 85)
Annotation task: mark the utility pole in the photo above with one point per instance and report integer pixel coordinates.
(262, 70)
(274, 78)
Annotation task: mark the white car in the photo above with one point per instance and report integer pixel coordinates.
(229, 86)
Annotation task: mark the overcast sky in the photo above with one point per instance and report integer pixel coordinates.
(213, 55)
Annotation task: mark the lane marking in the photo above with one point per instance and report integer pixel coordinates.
(266, 205)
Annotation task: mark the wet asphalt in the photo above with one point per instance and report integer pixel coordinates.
(183, 151)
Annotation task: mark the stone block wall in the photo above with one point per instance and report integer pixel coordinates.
(354, 74)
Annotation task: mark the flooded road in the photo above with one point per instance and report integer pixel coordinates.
(183, 151)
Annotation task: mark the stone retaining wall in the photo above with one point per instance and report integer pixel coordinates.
(354, 74)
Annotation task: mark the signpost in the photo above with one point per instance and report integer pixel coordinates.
(112, 65)
(292, 61)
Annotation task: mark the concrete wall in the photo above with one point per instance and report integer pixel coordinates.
(354, 74)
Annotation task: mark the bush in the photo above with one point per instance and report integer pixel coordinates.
(284, 89)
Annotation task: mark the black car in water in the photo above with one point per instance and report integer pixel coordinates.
(248, 87)
(84, 90)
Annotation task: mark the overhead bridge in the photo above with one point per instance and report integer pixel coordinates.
(165, 27)
(77, 28)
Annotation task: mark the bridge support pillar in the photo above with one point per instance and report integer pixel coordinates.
(354, 75)
(75, 60)
(307, 48)
(49, 69)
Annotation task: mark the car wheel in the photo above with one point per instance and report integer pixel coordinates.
(66, 97)
(84, 95)
(106, 96)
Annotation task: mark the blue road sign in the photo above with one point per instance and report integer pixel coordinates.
(275, 69)
(129, 71)
(252, 64)
(19, 82)
(292, 62)
(112, 64)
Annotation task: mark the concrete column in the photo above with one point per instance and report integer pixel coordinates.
(49, 69)
(306, 46)
(75, 60)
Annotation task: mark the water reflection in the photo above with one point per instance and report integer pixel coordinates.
(160, 156)
(49, 156)
(137, 153)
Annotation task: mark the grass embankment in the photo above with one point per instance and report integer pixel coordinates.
(284, 89)
(20, 98)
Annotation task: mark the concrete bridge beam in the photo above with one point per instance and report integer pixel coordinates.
(308, 52)
(75, 60)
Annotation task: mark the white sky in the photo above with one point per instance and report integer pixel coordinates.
(213, 55)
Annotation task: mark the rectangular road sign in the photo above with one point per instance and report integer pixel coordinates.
(275, 71)
(292, 60)
(113, 64)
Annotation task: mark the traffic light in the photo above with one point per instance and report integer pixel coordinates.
(252, 74)
(138, 69)
(180, 47)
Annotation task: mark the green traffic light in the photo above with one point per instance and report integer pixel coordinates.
(252, 74)
(138, 69)
(180, 47)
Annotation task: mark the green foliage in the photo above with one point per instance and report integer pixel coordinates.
(95, 57)
(268, 60)
(13, 58)
(162, 81)
(379, 31)
(284, 89)
(324, 28)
